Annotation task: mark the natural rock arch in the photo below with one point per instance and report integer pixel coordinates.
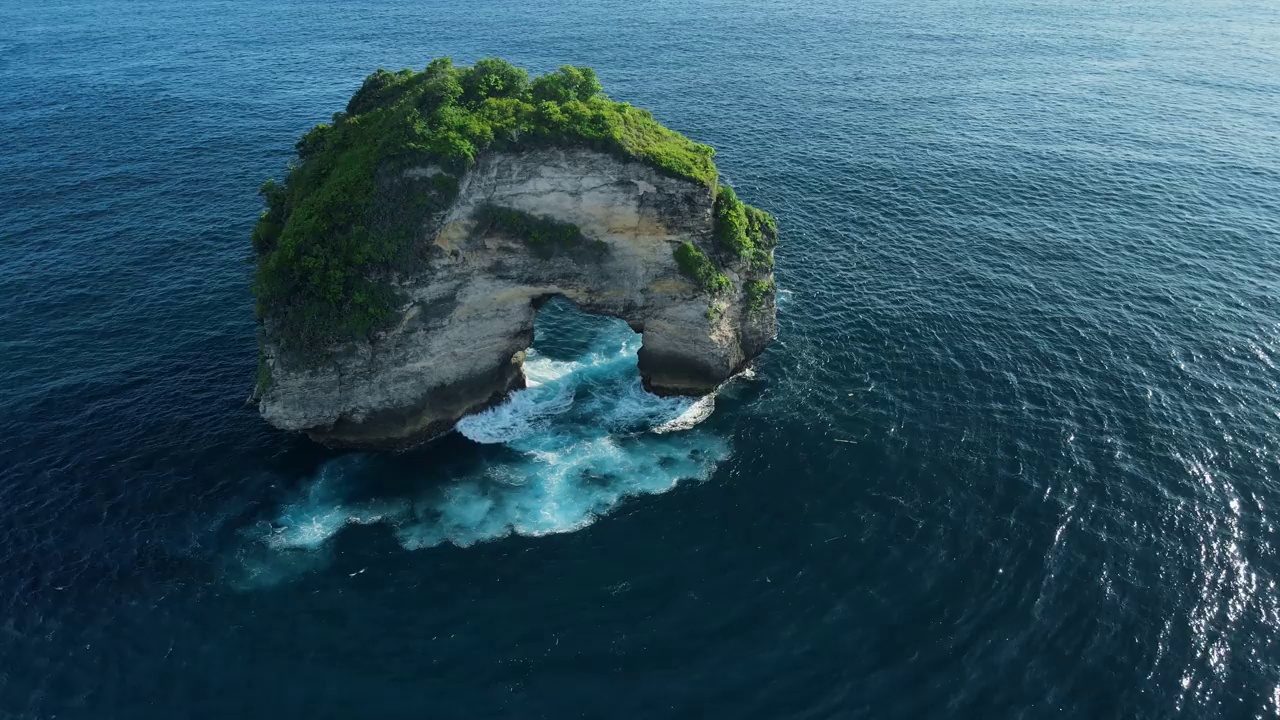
(468, 317)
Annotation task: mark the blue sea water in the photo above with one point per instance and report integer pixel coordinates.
(1015, 452)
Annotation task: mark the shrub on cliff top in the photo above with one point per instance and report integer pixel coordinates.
(745, 231)
(456, 111)
(333, 234)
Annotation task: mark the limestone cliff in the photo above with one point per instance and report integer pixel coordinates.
(467, 317)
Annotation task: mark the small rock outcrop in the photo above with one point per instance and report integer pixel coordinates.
(523, 225)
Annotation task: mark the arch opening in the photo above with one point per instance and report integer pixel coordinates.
(563, 331)
(581, 378)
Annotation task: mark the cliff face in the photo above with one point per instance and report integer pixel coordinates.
(468, 316)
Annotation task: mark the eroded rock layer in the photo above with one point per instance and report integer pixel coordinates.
(468, 315)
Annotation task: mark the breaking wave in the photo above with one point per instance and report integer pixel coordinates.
(581, 438)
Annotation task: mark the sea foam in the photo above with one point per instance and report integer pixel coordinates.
(580, 439)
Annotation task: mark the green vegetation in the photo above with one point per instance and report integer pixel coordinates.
(761, 260)
(341, 225)
(700, 269)
(745, 231)
(545, 236)
(757, 292)
(264, 373)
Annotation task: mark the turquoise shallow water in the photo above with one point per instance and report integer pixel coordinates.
(1013, 454)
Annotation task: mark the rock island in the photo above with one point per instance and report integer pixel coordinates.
(402, 261)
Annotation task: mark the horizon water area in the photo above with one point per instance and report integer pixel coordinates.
(1015, 452)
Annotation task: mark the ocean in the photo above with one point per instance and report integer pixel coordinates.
(1015, 452)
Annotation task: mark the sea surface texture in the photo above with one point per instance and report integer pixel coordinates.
(1014, 454)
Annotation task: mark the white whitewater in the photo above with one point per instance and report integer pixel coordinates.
(580, 439)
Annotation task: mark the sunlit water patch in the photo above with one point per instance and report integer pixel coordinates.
(580, 439)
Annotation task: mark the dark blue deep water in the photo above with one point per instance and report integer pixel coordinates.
(1015, 453)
